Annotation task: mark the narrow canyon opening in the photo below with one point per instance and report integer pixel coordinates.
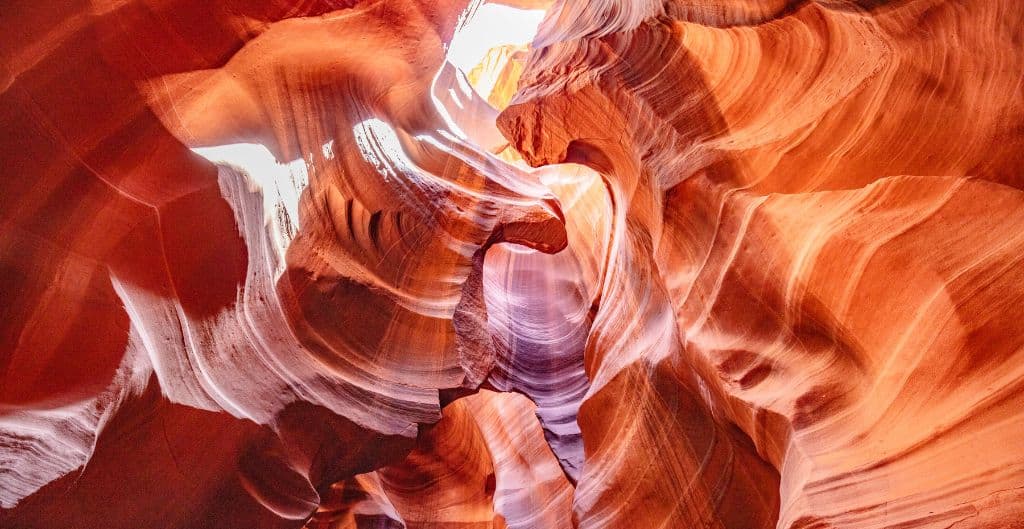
(528, 264)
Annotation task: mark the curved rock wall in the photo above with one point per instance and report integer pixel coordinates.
(812, 258)
(732, 264)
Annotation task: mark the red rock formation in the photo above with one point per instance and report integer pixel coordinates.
(277, 264)
(782, 287)
(226, 341)
(484, 464)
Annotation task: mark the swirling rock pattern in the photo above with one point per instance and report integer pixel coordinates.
(681, 263)
(810, 261)
(484, 464)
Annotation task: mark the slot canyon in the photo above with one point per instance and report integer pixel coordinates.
(512, 264)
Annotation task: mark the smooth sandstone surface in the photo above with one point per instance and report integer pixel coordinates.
(531, 264)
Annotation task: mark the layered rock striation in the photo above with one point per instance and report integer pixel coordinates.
(810, 257)
(683, 263)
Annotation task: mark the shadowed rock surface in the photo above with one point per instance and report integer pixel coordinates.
(517, 264)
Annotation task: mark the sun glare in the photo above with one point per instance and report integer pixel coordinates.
(485, 45)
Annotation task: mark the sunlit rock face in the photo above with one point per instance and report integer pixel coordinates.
(517, 264)
(810, 309)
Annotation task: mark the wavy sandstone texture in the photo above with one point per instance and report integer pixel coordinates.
(342, 264)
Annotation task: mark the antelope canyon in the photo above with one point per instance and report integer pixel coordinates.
(512, 264)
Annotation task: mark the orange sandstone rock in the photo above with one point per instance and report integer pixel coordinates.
(730, 264)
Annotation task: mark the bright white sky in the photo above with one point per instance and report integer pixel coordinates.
(493, 25)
